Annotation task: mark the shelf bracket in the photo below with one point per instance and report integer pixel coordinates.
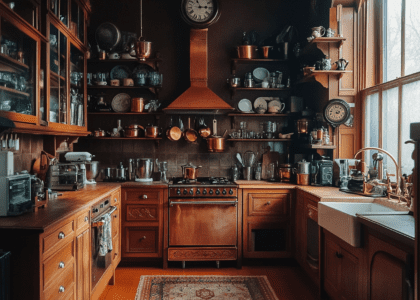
(233, 68)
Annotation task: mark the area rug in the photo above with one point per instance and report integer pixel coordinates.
(205, 287)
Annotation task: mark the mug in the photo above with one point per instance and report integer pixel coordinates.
(318, 31)
(114, 82)
(264, 84)
(114, 55)
(128, 82)
(330, 33)
(234, 81)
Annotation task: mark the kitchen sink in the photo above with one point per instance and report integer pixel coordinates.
(340, 218)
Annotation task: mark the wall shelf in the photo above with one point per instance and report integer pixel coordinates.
(156, 140)
(236, 61)
(259, 140)
(311, 146)
(13, 62)
(322, 76)
(322, 40)
(268, 115)
(13, 91)
(126, 113)
(234, 89)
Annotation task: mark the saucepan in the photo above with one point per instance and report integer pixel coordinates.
(190, 171)
(216, 143)
(190, 135)
(173, 133)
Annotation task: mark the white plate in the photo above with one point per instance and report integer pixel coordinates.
(259, 74)
(245, 105)
(260, 101)
(274, 102)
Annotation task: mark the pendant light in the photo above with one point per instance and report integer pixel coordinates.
(143, 48)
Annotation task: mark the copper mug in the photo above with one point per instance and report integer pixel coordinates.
(151, 132)
(137, 104)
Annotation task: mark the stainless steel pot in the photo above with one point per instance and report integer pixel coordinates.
(92, 170)
(144, 168)
(303, 167)
(189, 171)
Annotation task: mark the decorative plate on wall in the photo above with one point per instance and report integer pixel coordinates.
(121, 103)
(120, 72)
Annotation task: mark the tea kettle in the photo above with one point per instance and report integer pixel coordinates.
(341, 64)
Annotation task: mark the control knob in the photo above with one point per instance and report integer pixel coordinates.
(185, 192)
(204, 192)
(211, 192)
(217, 192)
(178, 191)
(198, 192)
(191, 192)
(231, 192)
(224, 192)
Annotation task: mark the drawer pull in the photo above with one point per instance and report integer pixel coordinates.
(116, 216)
(144, 196)
(268, 203)
(61, 289)
(61, 265)
(115, 200)
(86, 218)
(61, 235)
(143, 238)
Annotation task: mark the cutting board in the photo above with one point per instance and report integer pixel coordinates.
(268, 158)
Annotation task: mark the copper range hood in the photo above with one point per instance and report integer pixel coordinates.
(198, 98)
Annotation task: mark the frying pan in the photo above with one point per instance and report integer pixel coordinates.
(190, 135)
(173, 132)
(107, 36)
(203, 129)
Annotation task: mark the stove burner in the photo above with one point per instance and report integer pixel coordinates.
(203, 180)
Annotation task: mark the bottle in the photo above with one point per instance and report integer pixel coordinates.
(326, 138)
(235, 173)
(258, 171)
(119, 128)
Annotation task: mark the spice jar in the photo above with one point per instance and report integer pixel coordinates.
(326, 138)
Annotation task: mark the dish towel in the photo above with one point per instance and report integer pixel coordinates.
(105, 236)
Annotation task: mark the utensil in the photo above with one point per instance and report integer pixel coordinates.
(99, 133)
(121, 103)
(265, 50)
(152, 131)
(137, 104)
(189, 171)
(318, 31)
(249, 158)
(342, 64)
(92, 171)
(144, 169)
(203, 130)
(133, 130)
(247, 171)
(260, 102)
(107, 36)
(143, 48)
(190, 135)
(173, 133)
(120, 72)
(215, 143)
(234, 81)
(239, 158)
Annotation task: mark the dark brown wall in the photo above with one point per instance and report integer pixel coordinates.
(30, 147)
(163, 26)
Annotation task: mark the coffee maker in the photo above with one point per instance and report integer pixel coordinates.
(322, 172)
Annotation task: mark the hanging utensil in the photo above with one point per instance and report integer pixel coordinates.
(239, 158)
(173, 133)
(190, 135)
(215, 143)
(143, 48)
(16, 142)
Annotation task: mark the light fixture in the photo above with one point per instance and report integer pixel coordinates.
(143, 48)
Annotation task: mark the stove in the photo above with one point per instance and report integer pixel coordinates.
(202, 187)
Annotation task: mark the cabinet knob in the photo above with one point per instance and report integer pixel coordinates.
(61, 289)
(115, 200)
(61, 235)
(116, 216)
(268, 203)
(310, 213)
(61, 265)
(339, 255)
(143, 238)
(144, 196)
(86, 218)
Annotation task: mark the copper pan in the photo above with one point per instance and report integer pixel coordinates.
(173, 133)
(216, 143)
(190, 135)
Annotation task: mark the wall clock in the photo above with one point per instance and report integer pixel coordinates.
(200, 13)
(336, 112)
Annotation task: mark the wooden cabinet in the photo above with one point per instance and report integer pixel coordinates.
(267, 223)
(343, 269)
(83, 252)
(142, 223)
(307, 234)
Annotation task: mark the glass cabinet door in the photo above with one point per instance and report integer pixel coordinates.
(58, 76)
(77, 87)
(17, 71)
(77, 24)
(60, 9)
(27, 9)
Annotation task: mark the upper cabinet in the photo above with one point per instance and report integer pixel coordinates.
(43, 65)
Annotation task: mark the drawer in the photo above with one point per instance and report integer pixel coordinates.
(142, 195)
(82, 221)
(269, 204)
(142, 240)
(116, 197)
(115, 219)
(62, 287)
(58, 238)
(58, 263)
(142, 212)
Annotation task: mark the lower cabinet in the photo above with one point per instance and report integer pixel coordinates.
(267, 223)
(343, 269)
(142, 221)
(83, 265)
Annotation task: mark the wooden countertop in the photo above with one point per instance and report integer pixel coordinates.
(64, 206)
(153, 184)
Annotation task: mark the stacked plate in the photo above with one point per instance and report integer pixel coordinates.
(245, 106)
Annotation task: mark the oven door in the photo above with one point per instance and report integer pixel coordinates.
(203, 222)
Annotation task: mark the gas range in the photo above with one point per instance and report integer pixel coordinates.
(208, 187)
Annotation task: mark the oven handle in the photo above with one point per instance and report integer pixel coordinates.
(97, 222)
(234, 203)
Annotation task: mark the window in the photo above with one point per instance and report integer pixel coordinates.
(390, 106)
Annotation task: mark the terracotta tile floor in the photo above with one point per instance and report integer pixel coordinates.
(287, 279)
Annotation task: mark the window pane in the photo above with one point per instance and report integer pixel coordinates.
(410, 114)
(412, 37)
(390, 127)
(371, 124)
(392, 55)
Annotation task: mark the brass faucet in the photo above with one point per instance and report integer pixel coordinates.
(397, 193)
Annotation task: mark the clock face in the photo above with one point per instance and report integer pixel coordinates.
(199, 10)
(337, 112)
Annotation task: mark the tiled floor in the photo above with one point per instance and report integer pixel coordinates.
(287, 279)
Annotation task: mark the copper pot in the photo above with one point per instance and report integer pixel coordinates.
(216, 144)
(302, 179)
(189, 171)
(133, 131)
(247, 51)
(151, 131)
(99, 133)
(137, 104)
(173, 133)
(143, 50)
(285, 172)
(190, 135)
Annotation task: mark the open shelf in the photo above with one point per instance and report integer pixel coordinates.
(13, 91)
(326, 147)
(57, 76)
(13, 62)
(259, 140)
(123, 60)
(126, 113)
(234, 89)
(322, 76)
(123, 87)
(264, 115)
(236, 61)
(123, 138)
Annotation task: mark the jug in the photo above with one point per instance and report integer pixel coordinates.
(341, 64)
(162, 168)
(318, 31)
(326, 64)
(144, 169)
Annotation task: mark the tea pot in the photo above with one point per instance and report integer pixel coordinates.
(326, 64)
(318, 31)
(341, 64)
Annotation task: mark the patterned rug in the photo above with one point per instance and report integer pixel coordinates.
(205, 288)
